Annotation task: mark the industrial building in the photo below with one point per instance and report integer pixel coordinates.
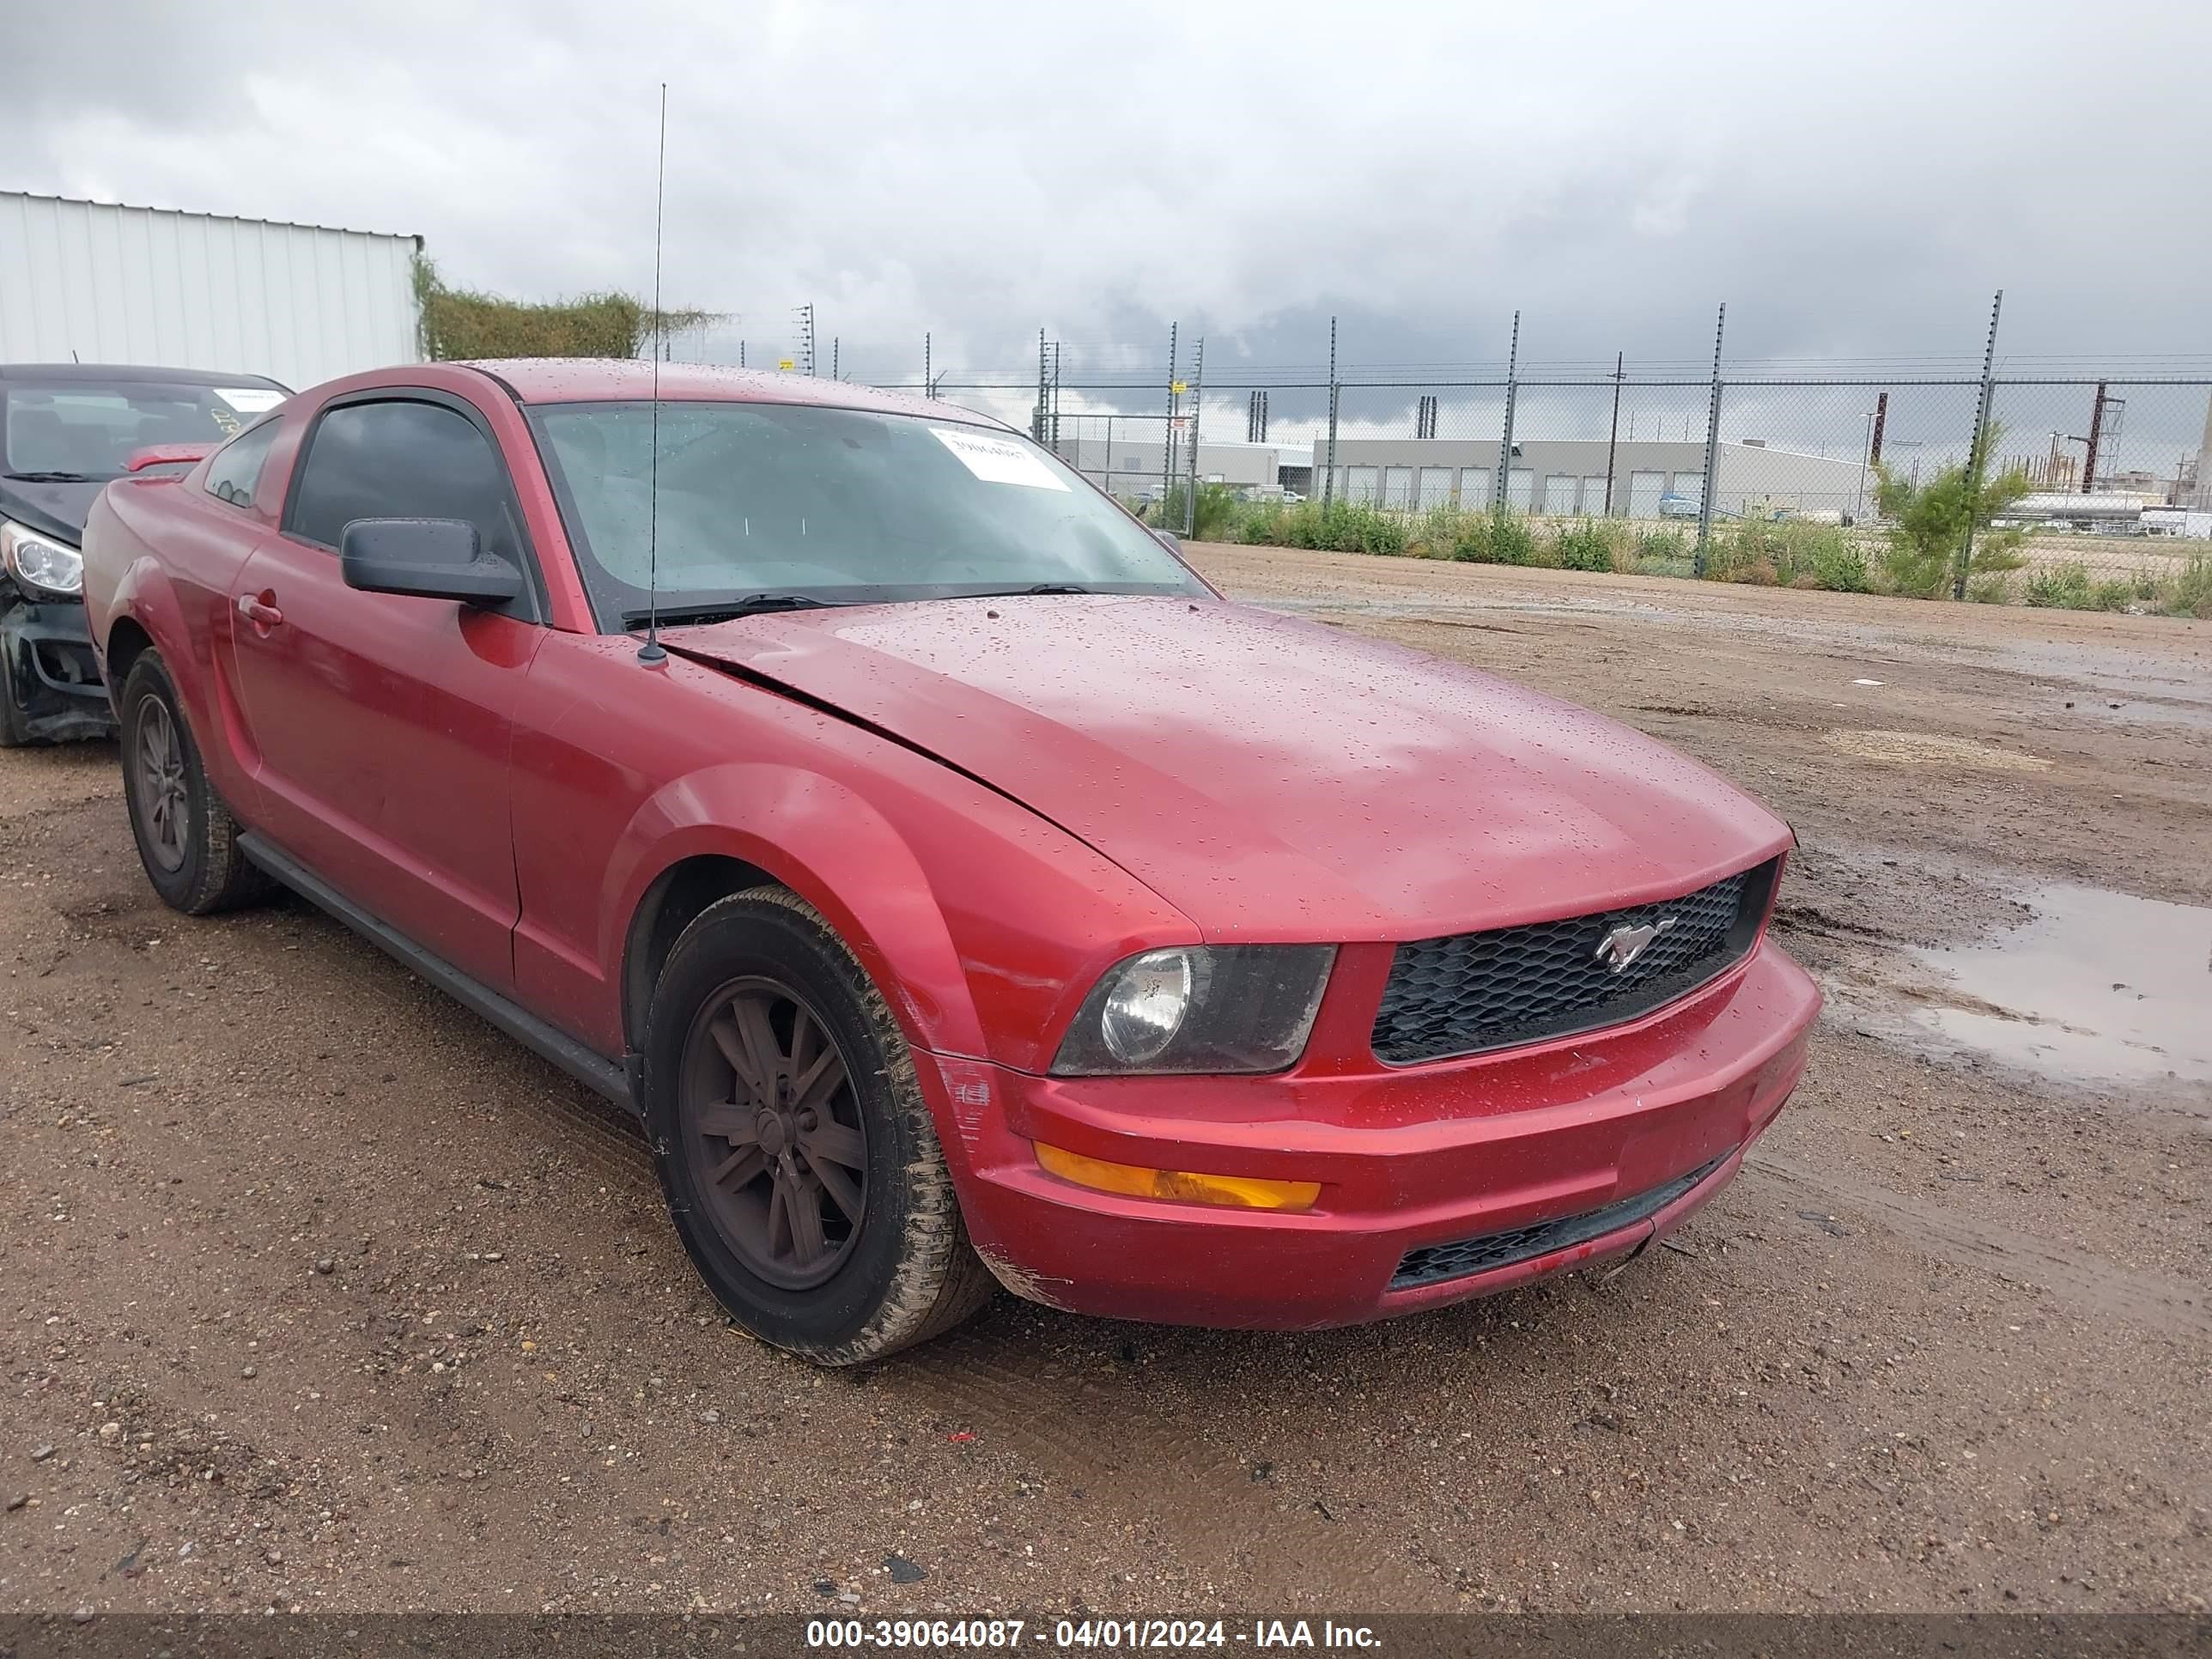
(92, 281)
(1566, 477)
(1130, 461)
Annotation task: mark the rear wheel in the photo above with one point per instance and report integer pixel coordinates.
(800, 1160)
(187, 839)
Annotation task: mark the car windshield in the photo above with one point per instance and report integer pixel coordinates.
(81, 429)
(784, 503)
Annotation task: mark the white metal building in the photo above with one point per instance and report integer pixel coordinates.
(1124, 462)
(97, 282)
(1566, 477)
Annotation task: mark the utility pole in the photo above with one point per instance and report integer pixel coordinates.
(2096, 437)
(1329, 479)
(803, 320)
(1167, 438)
(834, 370)
(1613, 442)
(1712, 451)
(1037, 424)
(1512, 390)
(1974, 456)
(1197, 409)
(928, 385)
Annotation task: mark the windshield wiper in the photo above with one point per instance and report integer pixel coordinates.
(679, 615)
(50, 477)
(1016, 592)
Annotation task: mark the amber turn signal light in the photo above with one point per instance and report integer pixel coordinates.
(1135, 1180)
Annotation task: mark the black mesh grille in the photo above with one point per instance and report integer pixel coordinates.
(1432, 1263)
(1472, 992)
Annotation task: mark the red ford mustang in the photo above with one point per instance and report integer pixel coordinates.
(961, 891)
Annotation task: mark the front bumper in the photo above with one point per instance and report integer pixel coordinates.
(53, 677)
(1522, 1163)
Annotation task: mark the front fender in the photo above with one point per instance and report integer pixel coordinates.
(835, 850)
(982, 923)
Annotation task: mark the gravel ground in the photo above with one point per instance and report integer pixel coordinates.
(319, 1293)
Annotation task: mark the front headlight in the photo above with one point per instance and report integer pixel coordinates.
(1199, 1008)
(41, 563)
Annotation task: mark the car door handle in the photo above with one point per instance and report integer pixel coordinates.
(258, 611)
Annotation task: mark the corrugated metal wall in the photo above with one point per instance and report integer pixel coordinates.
(189, 290)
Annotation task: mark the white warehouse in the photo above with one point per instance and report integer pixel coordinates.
(92, 281)
(1566, 477)
(1127, 462)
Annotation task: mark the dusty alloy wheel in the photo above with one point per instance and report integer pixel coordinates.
(767, 1103)
(187, 839)
(800, 1160)
(157, 784)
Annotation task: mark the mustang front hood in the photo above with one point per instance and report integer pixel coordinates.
(1272, 777)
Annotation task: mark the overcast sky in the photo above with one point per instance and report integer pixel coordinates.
(1853, 179)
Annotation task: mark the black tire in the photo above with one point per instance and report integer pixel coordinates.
(195, 865)
(903, 1271)
(15, 724)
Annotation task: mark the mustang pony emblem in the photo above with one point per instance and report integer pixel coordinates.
(1619, 948)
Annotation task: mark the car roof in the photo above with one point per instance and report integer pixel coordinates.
(108, 374)
(630, 380)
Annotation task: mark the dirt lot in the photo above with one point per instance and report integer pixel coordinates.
(324, 1295)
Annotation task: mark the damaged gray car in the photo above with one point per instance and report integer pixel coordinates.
(65, 430)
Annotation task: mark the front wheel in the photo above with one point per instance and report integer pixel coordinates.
(800, 1160)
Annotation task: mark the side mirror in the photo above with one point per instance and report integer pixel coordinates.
(428, 558)
(1170, 540)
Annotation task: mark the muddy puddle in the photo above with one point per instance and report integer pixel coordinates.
(2096, 987)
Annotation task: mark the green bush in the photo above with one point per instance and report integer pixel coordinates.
(1740, 553)
(1497, 536)
(1830, 559)
(1360, 528)
(2190, 594)
(1329, 527)
(1219, 518)
(459, 324)
(1930, 523)
(1433, 531)
(1586, 545)
(1662, 553)
(1996, 588)
(1790, 553)
(2060, 586)
(2067, 587)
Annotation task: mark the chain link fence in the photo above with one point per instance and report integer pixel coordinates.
(2111, 469)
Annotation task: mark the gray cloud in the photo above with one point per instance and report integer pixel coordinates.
(1854, 181)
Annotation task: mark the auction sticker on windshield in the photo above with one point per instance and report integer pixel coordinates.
(997, 461)
(250, 399)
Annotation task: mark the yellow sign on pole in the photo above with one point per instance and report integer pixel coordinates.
(1178, 387)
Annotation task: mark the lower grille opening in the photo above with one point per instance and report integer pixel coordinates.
(1431, 1264)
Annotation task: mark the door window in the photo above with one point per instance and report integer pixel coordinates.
(235, 472)
(404, 459)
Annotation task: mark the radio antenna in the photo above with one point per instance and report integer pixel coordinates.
(651, 651)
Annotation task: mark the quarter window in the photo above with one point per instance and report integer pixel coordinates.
(404, 461)
(234, 474)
